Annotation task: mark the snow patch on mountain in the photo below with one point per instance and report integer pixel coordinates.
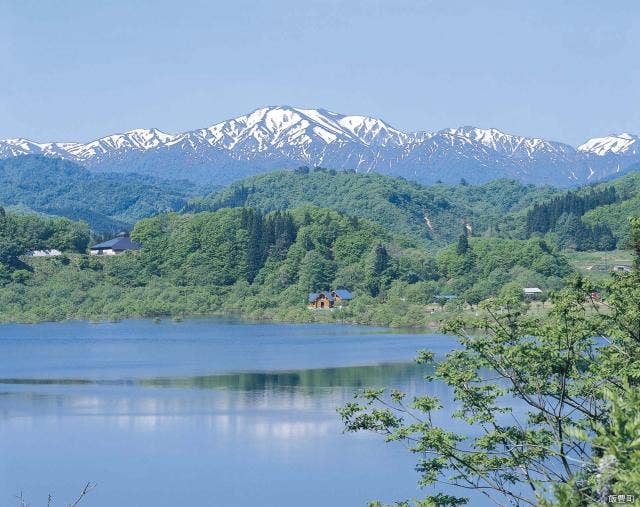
(618, 144)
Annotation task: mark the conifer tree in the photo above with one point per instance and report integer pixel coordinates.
(463, 244)
(381, 259)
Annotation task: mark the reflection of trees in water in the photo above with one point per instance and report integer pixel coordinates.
(347, 376)
(320, 388)
(317, 378)
(308, 397)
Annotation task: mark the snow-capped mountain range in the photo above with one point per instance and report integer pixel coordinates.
(285, 137)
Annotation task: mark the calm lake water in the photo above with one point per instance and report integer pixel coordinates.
(202, 412)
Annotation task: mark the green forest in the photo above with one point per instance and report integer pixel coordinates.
(591, 218)
(20, 234)
(595, 217)
(433, 214)
(238, 260)
(410, 254)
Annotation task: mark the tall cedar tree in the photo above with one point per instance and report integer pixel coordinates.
(381, 260)
(463, 244)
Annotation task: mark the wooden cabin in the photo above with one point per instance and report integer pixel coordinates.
(321, 300)
(329, 298)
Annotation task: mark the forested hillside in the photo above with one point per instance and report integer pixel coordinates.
(239, 260)
(20, 234)
(562, 215)
(259, 247)
(616, 215)
(591, 218)
(436, 214)
(107, 202)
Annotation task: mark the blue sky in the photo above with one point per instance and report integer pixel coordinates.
(78, 70)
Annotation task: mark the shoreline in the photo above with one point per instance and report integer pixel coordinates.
(432, 326)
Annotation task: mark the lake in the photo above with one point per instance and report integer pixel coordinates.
(201, 412)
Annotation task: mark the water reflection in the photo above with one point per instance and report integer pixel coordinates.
(298, 390)
(313, 378)
(161, 421)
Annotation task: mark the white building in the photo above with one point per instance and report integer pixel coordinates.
(622, 268)
(532, 292)
(45, 253)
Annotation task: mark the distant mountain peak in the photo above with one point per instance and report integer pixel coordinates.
(276, 137)
(616, 144)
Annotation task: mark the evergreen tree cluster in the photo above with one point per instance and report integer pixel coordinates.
(543, 217)
(562, 215)
(236, 197)
(572, 232)
(270, 235)
(379, 274)
(463, 244)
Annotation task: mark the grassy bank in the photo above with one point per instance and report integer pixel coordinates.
(599, 264)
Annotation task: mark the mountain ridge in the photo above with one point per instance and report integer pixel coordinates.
(107, 202)
(277, 137)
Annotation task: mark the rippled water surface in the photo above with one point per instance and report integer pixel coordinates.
(202, 412)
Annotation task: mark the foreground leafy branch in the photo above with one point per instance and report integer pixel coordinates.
(553, 402)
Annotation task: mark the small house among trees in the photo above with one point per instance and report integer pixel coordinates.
(115, 246)
(328, 299)
(341, 295)
(532, 292)
(321, 300)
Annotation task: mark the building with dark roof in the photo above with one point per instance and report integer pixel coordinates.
(322, 299)
(115, 246)
(329, 298)
(342, 295)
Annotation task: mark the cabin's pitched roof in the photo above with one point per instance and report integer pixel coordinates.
(313, 296)
(119, 243)
(343, 294)
(532, 290)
